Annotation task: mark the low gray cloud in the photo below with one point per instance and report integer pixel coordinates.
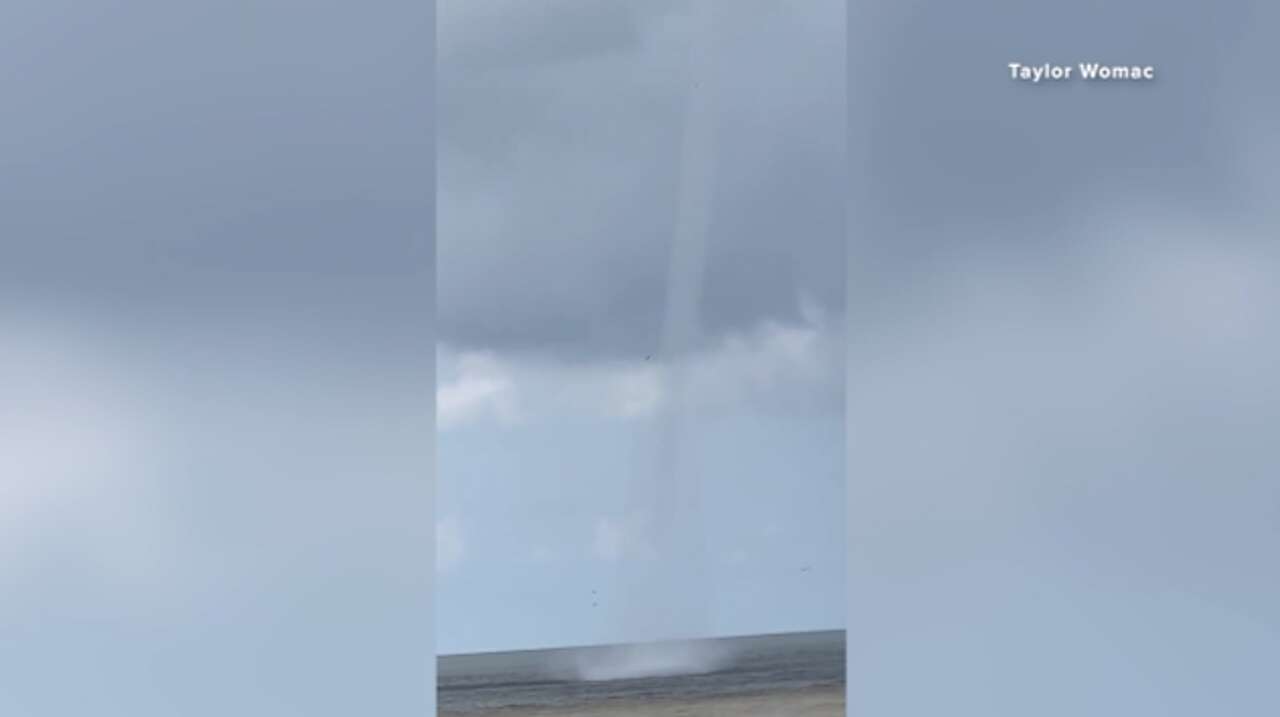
(559, 168)
(219, 165)
(947, 152)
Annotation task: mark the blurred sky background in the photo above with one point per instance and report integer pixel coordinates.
(216, 358)
(1064, 491)
(559, 165)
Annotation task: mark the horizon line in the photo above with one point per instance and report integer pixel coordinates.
(498, 651)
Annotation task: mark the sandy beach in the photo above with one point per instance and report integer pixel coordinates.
(805, 702)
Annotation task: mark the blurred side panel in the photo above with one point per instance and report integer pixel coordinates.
(1062, 395)
(216, 358)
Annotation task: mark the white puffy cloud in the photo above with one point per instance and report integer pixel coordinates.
(481, 388)
(622, 538)
(72, 448)
(608, 543)
(450, 544)
(634, 392)
(775, 365)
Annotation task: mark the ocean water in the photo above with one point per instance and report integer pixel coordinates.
(576, 676)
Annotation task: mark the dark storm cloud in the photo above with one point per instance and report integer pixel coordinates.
(204, 163)
(947, 147)
(559, 178)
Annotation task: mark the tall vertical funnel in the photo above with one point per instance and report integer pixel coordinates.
(668, 594)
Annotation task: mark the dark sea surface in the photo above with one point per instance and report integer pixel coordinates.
(555, 678)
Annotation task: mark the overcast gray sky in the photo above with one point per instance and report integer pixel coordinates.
(216, 349)
(1062, 386)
